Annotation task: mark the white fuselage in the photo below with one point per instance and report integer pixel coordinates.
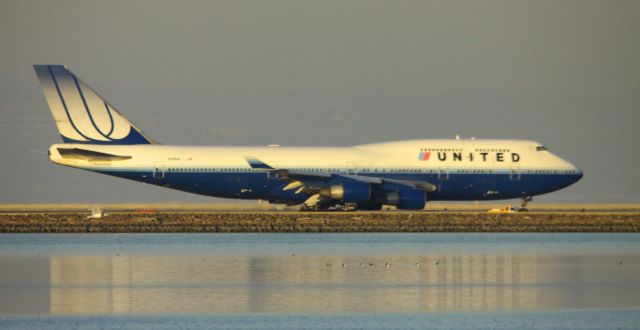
(441, 162)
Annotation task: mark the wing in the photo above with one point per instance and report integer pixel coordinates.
(345, 187)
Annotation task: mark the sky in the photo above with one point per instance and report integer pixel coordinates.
(327, 73)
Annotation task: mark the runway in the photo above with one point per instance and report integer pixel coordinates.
(150, 221)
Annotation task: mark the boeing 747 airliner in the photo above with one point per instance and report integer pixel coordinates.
(404, 174)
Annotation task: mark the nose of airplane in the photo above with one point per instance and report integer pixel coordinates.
(578, 174)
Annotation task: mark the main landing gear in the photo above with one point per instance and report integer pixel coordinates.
(324, 207)
(523, 204)
(313, 208)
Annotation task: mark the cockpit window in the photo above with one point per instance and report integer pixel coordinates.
(541, 148)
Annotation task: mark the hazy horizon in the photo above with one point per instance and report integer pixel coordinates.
(564, 73)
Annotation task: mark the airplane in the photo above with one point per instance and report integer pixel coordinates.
(404, 174)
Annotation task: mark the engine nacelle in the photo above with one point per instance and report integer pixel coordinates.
(407, 199)
(348, 192)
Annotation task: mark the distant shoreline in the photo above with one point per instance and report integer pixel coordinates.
(149, 221)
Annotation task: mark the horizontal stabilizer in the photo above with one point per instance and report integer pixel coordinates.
(89, 155)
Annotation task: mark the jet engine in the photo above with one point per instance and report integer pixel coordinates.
(348, 192)
(406, 199)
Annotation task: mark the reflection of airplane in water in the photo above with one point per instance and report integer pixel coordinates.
(205, 284)
(240, 284)
(404, 174)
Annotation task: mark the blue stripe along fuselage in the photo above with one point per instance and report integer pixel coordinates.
(258, 185)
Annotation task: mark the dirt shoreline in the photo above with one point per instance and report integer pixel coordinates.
(296, 222)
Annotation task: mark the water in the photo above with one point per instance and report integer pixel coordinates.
(320, 281)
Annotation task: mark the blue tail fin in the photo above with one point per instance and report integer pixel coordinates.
(81, 115)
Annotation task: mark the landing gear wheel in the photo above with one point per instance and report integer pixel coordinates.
(305, 208)
(349, 207)
(314, 208)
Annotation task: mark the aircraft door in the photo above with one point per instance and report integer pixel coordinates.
(273, 174)
(158, 171)
(443, 173)
(514, 175)
(352, 168)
